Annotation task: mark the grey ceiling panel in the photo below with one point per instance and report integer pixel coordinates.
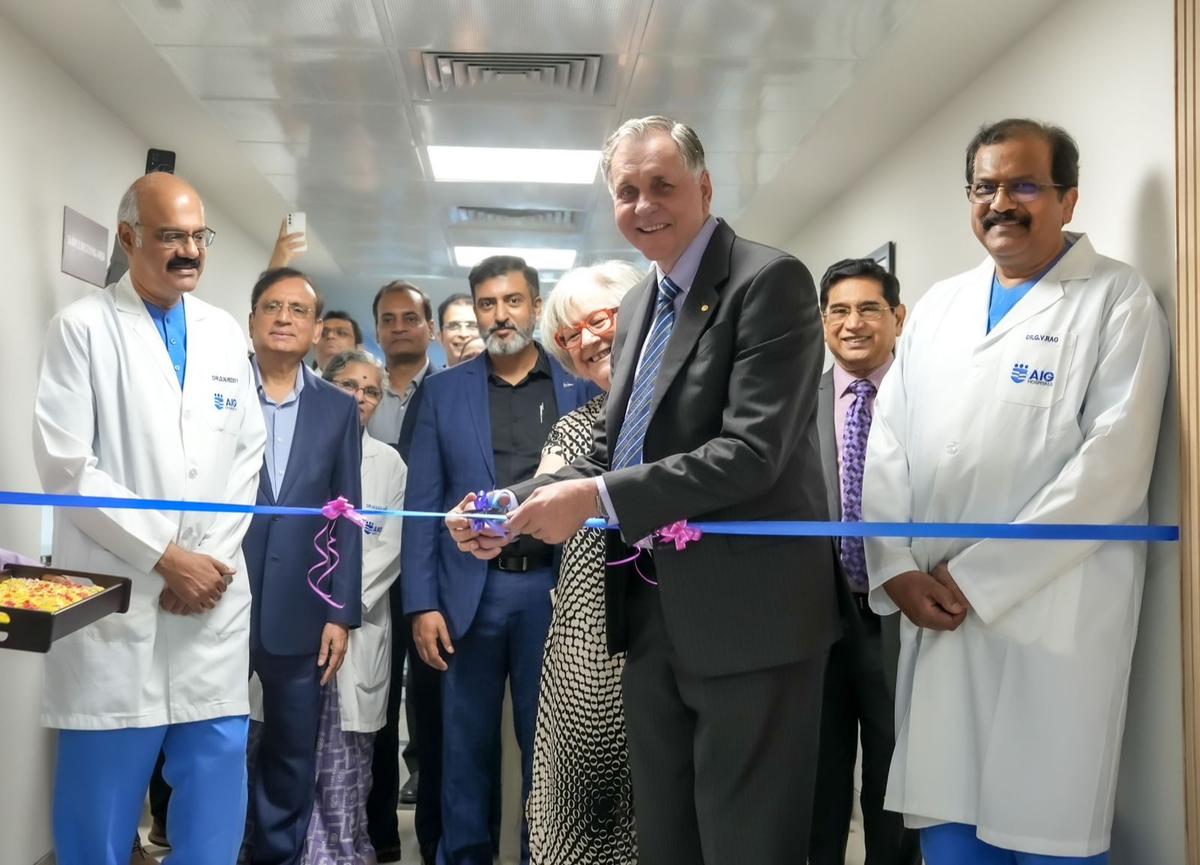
(257, 22)
(679, 84)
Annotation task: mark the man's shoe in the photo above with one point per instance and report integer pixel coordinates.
(139, 856)
(388, 854)
(408, 793)
(158, 834)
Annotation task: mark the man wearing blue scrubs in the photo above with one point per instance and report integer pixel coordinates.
(146, 391)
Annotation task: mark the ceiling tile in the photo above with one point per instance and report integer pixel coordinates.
(787, 31)
(241, 73)
(257, 22)
(593, 26)
(682, 83)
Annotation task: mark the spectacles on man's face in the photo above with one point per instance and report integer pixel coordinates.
(599, 323)
(461, 327)
(370, 392)
(1023, 191)
(274, 307)
(170, 237)
(839, 312)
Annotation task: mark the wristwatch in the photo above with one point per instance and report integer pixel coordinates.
(601, 511)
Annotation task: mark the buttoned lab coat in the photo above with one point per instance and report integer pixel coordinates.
(1013, 722)
(366, 673)
(111, 420)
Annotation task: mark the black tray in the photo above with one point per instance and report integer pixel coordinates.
(35, 630)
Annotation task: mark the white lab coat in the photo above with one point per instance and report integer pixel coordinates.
(366, 674)
(111, 420)
(1013, 722)
(364, 678)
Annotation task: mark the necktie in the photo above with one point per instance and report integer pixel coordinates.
(854, 453)
(628, 450)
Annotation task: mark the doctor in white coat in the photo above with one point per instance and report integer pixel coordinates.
(1027, 390)
(146, 392)
(354, 709)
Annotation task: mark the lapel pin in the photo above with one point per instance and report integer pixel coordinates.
(704, 308)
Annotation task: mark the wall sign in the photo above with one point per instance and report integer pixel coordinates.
(84, 248)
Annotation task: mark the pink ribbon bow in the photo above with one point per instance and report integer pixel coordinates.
(679, 533)
(325, 542)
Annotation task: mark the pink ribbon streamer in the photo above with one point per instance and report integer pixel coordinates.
(678, 533)
(326, 546)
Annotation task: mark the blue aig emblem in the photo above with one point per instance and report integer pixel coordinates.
(220, 402)
(1022, 374)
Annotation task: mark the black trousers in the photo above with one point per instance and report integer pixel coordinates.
(858, 701)
(723, 767)
(425, 725)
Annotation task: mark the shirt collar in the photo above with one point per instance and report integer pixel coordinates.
(162, 314)
(388, 390)
(683, 274)
(258, 377)
(843, 379)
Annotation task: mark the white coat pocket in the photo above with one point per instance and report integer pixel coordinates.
(1035, 368)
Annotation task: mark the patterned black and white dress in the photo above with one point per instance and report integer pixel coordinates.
(580, 808)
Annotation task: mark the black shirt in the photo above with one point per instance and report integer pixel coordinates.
(522, 416)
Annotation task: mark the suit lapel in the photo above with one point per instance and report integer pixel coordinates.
(698, 307)
(131, 307)
(477, 404)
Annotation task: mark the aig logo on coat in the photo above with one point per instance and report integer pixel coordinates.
(1022, 374)
(222, 402)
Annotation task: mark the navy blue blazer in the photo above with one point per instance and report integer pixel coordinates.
(451, 455)
(286, 616)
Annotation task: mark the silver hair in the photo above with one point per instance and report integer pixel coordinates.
(128, 212)
(355, 355)
(614, 278)
(684, 136)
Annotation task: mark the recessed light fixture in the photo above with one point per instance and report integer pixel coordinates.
(538, 259)
(512, 165)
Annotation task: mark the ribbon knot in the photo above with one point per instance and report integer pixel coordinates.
(340, 507)
(679, 533)
(326, 545)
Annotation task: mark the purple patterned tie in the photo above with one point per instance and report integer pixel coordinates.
(854, 453)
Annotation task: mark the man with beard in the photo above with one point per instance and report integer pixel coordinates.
(481, 425)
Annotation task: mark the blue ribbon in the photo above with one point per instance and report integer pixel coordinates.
(779, 528)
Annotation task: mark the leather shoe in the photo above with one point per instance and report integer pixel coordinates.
(388, 854)
(158, 834)
(408, 793)
(139, 856)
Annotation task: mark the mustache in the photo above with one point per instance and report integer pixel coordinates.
(179, 262)
(504, 325)
(993, 219)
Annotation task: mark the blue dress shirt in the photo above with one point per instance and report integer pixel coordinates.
(280, 418)
(172, 327)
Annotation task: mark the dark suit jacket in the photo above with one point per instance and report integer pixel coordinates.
(451, 455)
(733, 436)
(889, 625)
(326, 462)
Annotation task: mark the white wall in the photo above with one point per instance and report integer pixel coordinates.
(59, 147)
(1103, 69)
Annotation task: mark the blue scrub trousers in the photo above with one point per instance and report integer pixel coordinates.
(101, 779)
(956, 844)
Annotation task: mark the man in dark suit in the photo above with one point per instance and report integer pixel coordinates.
(481, 425)
(297, 638)
(712, 416)
(860, 302)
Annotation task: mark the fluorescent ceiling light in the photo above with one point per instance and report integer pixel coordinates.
(538, 259)
(512, 165)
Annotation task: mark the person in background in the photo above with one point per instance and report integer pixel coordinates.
(339, 333)
(297, 637)
(145, 391)
(1026, 390)
(355, 701)
(287, 247)
(456, 326)
(863, 315)
(580, 807)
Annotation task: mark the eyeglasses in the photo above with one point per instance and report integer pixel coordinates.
(1024, 191)
(274, 307)
(463, 326)
(599, 322)
(204, 238)
(369, 392)
(866, 311)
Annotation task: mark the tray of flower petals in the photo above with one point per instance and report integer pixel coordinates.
(41, 605)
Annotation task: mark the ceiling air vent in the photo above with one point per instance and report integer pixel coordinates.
(524, 73)
(517, 218)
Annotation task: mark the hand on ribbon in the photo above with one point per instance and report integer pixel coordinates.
(556, 511)
(484, 539)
